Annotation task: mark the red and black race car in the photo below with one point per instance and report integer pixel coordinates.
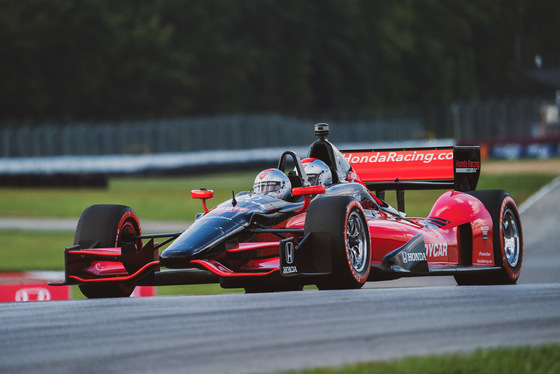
(320, 221)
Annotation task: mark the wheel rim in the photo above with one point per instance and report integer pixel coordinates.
(356, 241)
(127, 234)
(511, 240)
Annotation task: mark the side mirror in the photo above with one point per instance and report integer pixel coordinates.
(307, 192)
(202, 194)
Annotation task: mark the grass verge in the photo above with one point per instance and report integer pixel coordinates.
(156, 198)
(168, 199)
(543, 359)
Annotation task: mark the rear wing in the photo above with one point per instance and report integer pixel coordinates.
(403, 169)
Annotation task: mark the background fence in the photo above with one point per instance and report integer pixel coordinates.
(494, 119)
(185, 135)
(498, 119)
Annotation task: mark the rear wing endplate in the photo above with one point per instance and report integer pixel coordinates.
(403, 169)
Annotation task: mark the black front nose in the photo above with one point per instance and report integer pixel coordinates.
(204, 242)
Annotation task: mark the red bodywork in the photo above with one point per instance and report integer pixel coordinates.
(388, 233)
(458, 231)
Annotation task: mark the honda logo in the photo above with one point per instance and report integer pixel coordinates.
(33, 294)
(289, 252)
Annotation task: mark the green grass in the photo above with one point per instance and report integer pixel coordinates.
(151, 198)
(169, 198)
(543, 359)
(33, 250)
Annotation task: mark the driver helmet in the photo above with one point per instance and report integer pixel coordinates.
(273, 182)
(317, 171)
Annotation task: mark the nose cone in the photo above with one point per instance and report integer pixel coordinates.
(204, 239)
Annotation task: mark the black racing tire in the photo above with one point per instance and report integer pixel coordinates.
(107, 226)
(344, 218)
(507, 240)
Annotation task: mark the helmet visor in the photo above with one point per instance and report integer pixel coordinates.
(313, 179)
(266, 187)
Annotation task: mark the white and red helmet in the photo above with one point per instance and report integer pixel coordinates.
(317, 171)
(273, 182)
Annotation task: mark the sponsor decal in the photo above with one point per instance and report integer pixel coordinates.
(289, 269)
(542, 151)
(33, 294)
(436, 249)
(424, 156)
(263, 174)
(225, 209)
(485, 230)
(484, 262)
(288, 250)
(418, 164)
(507, 151)
(413, 257)
(466, 170)
(467, 167)
(485, 254)
(289, 253)
(31, 291)
(468, 164)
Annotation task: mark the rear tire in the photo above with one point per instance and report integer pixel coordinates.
(344, 218)
(507, 238)
(107, 226)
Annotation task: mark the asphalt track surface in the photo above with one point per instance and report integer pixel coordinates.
(238, 333)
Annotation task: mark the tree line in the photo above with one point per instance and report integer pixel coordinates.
(67, 60)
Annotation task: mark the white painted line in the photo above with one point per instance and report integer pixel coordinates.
(539, 195)
(69, 225)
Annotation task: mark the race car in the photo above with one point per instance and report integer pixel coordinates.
(318, 221)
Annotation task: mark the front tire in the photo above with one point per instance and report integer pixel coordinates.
(107, 226)
(344, 218)
(507, 238)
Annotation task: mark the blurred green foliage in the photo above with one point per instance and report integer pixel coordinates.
(68, 60)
